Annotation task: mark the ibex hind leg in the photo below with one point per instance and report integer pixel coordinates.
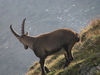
(67, 60)
(67, 55)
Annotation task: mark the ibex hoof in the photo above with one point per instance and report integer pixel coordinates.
(71, 59)
(47, 70)
(43, 74)
(67, 63)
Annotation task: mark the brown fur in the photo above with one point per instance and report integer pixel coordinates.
(49, 43)
(52, 42)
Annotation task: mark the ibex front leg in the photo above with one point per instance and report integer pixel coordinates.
(47, 70)
(42, 60)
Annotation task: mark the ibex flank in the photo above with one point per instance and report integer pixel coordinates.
(48, 44)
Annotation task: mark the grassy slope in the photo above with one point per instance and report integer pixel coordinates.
(86, 55)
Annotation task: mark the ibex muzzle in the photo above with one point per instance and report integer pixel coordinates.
(49, 43)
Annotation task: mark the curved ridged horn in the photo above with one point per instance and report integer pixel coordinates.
(22, 28)
(14, 32)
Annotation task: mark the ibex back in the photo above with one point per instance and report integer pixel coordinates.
(49, 43)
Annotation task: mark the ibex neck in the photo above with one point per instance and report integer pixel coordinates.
(28, 40)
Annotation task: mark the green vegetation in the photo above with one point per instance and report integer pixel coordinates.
(86, 55)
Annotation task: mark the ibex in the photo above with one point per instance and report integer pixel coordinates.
(49, 43)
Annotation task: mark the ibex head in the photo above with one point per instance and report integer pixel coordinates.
(20, 37)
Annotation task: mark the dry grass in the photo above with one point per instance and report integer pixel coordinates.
(84, 54)
(92, 29)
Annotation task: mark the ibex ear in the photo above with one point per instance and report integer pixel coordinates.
(26, 33)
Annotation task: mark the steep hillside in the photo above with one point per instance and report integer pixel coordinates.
(86, 55)
(42, 16)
